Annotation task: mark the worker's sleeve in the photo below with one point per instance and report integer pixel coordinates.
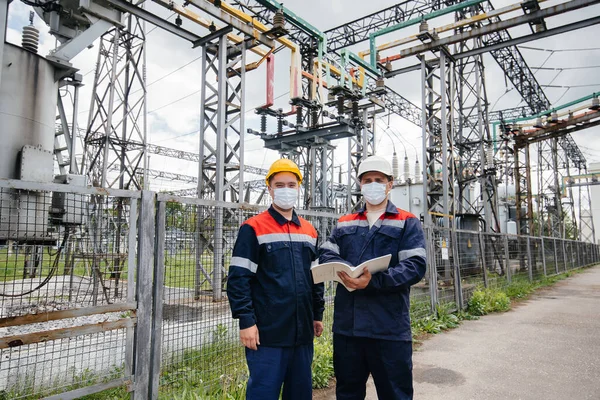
(412, 260)
(318, 292)
(330, 249)
(242, 271)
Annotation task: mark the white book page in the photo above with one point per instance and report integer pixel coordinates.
(329, 271)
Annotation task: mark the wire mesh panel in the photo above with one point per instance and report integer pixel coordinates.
(421, 293)
(495, 259)
(200, 345)
(537, 258)
(571, 257)
(549, 256)
(443, 261)
(470, 262)
(66, 290)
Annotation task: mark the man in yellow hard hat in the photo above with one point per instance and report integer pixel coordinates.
(271, 291)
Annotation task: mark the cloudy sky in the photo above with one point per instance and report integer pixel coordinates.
(173, 70)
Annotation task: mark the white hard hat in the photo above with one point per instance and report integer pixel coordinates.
(375, 164)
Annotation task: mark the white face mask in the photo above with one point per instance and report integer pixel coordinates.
(374, 193)
(285, 198)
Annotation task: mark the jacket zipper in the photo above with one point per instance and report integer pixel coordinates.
(293, 276)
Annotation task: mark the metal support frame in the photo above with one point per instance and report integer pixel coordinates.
(549, 205)
(524, 197)
(438, 153)
(222, 130)
(571, 228)
(220, 175)
(586, 219)
(116, 131)
(360, 147)
(472, 137)
(322, 175)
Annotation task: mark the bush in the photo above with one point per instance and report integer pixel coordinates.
(322, 366)
(485, 301)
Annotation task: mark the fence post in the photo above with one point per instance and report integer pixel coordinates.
(529, 261)
(507, 270)
(564, 247)
(544, 257)
(217, 285)
(578, 251)
(432, 268)
(555, 255)
(158, 295)
(483, 266)
(143, 331)
(458, 295)
(131, 293)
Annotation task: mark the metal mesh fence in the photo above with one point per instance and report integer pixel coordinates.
(494, 258)
(470, 263)
(199, 338)
(66, 292)
(69, 265)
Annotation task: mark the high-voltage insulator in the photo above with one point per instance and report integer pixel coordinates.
(380, 83)
(31, 36)
(279, 19)
(423, 27)
(395, 169)
(406, 168)
(595, 103)
(280, 121)
(340, 105)
(299, 116)
(314, 116)
(418, 171)
(263, 123)
(490, 157)
(355, 110)
(554, 117)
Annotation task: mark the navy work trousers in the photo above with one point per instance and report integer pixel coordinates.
(270, 367)
(388, 361)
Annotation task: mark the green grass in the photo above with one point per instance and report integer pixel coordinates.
(12, 266)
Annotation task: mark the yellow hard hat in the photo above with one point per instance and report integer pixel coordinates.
(284, 165)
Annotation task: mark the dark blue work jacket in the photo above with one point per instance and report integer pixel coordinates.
(381, 310)
(270, 283)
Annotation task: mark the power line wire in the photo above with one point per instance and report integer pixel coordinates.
(558, 50)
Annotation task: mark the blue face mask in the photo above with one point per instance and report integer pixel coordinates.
(374, 193)
(285, 198)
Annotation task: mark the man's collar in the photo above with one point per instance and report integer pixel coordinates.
(281, 220)
(390, 208)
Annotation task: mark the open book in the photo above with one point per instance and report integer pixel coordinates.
(328, 271)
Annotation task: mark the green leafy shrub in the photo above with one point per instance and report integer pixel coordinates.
(485, 301)
(322, 366)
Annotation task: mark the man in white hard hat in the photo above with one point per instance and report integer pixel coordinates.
(371, 324)
(272, 294)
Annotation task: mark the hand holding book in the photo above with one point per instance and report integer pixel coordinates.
(329, 271)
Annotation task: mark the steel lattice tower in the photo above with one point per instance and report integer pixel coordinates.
(115, 138)
(438, 153)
